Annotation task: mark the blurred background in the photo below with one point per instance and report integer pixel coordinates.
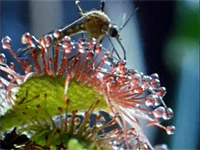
(161, 37)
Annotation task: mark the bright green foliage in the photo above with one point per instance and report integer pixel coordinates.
(32, 104)
(74, 144)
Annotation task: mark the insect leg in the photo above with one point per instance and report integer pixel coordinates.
(23, 52)
(114, 48)
(79, 7)
(102, 5)
(80, 13)
(123, 49)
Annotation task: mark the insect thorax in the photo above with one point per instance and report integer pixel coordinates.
(97, 24)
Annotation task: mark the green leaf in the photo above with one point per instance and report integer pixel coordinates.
(32, 104)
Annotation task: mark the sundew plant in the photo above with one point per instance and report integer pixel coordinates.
(76, 94)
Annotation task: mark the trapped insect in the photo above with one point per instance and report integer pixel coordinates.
(95, 23)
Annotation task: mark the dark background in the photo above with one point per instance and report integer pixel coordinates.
(169, 35)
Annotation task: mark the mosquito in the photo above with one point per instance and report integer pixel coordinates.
(95, 23)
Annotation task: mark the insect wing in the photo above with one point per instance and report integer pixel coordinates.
(23, 52)
(77, 22)
(64, 32)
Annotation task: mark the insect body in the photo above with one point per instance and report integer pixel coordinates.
(95, 23)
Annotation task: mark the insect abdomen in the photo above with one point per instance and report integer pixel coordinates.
(73, 30)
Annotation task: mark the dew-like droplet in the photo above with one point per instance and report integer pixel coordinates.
(81, 46)
(3, 58)
(132, 72)
(153, 100)
(42, 42)
(67, 38)
(107, 59)
(99, 124)
(144, 147)
(10, 77)
(158, 112)
(81, 50)
(145, 85)
(147, 78)
(161, 147)
(92, 44)
(57, 34)
(121, 80)
(139, 90)
(161, 91)
(77, 120)
(121, 64)
(100, 75)
(6, 42)
(136, 79)
(98, 49)
(121, 68)
(168, 114)
(116, 131)
(33, 41)
(149, 100)
(170, 130)
(154, 76)
(100, 121)
(12, 66)
(132, 132)
(89, 55)
(26, 38)
(48, 40)
(155, 84)
(28, 69)
(94, 41)
(157, 101)
(104, 57)
(67, 46)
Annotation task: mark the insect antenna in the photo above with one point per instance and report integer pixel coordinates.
(77, 2)
(125, 23)
(102, 7)
(117, 37)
